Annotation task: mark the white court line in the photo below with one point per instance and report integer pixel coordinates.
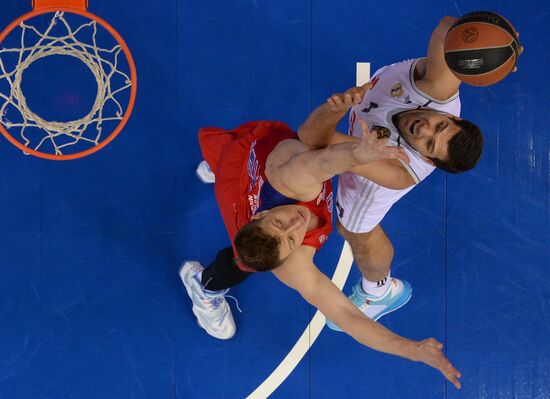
(310, 334)
(312, 331)
(362, 73)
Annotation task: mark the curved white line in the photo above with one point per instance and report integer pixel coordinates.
(310, 334)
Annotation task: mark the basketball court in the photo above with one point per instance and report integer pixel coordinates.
(91, 304)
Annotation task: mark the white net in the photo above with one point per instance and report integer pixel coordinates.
(58, 37)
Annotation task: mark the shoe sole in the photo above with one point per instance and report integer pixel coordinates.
(203, 179)
(394, 309)
(188, 289)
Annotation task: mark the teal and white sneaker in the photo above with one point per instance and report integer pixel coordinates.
(397, 295)
(211, 309)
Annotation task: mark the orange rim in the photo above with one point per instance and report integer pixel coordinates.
(133, 76)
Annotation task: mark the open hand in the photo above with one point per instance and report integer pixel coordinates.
(342, 102)
(371, 148)
(520, 52)
(429, 352)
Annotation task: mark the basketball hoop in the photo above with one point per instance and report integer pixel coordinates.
(113, 68)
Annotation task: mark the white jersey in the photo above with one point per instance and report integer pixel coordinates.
(361, 203)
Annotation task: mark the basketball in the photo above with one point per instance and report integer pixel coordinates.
(481, 48)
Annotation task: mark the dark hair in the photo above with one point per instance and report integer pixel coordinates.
(464, 148)
(257, 249)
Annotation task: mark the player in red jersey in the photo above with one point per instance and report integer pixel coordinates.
(275, 197)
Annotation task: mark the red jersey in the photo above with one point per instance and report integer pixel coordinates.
(238, 157)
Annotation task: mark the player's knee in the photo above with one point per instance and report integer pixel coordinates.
(370, 248)
(389, 248)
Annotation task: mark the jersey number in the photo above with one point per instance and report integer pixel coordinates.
(371, 106)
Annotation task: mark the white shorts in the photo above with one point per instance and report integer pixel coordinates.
(362, 204)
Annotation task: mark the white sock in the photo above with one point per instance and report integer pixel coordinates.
(376, 288)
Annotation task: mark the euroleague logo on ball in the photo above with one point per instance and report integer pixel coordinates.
(470, 35)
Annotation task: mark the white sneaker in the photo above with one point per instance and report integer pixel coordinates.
(211, 309)
(204, 173)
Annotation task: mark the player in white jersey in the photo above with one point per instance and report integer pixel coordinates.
(362, 203)
(416, 104)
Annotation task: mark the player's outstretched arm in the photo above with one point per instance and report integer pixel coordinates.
(298, 172)
(319, 127)
(436, 78)
(299, 273)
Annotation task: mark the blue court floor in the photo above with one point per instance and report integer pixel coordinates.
(91, 305)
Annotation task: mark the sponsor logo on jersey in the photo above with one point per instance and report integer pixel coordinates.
(322, 238)
(253, 166)
(329, 202)
(323, 197)
(397, 90)
(408, 99)
(254, 197)
(254, 202)
(381, 131)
